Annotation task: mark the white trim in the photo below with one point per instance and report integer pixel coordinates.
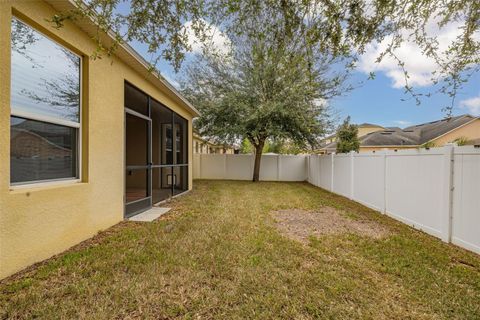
(43, 183)
(43, 118)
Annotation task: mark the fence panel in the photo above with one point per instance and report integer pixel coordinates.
(239, 166)
(314, 170)
(414, 188)
(342, 175)
(196, 166)
(369, 180)
(292, 168)
(213, 166)
(269, 168)
(325, 168)
(466, 198)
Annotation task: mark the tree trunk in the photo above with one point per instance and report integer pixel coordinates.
(258, 159)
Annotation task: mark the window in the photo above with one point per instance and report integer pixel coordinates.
(45, 108)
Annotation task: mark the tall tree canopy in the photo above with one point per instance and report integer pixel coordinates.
(341, 28)
(269, 86)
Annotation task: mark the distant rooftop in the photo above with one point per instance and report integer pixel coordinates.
(417, 134)
(411, 136)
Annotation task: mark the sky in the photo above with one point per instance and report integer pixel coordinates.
(379, 101)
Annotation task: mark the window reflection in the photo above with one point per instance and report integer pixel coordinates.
(45, 76)
(41, 151)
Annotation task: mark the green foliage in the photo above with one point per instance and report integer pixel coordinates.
(267, 88)
(347, 137)
(272, 146)
(461, 141)
(246, 146)
(428, 145)
(341, 29)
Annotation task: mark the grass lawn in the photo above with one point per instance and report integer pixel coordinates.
(219, 254)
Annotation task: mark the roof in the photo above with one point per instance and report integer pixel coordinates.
(125, 53)
(197, 136)
(369, 125)
(417, 134)
(411, 136)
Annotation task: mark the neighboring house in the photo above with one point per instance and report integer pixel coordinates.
(84, 143)
(430, 134)
(329, 141)
(201, 145)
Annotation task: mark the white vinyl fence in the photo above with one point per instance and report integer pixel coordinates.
(436, 190)
(240, 167)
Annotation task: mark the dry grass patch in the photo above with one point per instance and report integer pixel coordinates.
(301, 224)
(217, 255)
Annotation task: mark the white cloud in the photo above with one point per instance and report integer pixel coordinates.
(472, 105)
(402, 123)
(418, 66)
(215, 39)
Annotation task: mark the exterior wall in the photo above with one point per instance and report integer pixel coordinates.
(380, 148)
(362, 131)
(40, 221)
(470, 131)
(205, 147)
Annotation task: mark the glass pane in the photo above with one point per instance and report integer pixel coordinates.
(161, 184)
(136, 99)
(181, 179)
(181, 143)
(136, 207)
(41, 151)
(162, 148)
(45, 76)
(136, 141)
(136, 185)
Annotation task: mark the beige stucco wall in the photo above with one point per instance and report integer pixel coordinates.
(470, 131)
(38, 222)
(362, 131)
(370, 149)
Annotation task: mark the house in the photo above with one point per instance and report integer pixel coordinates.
(329, 141)
(201, 145)
(431, 134)
(84, 143)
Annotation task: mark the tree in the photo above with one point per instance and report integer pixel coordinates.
(339, 28)
(270, 86)
(347, 137)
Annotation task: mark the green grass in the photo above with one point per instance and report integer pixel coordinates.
(218, 255)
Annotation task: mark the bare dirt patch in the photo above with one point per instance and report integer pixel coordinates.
(301, 224)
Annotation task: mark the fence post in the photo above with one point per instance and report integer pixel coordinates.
(308, 168)
(200, 156)
(225, 173)
(384, 173)
(332, 175)
(447, 198)
(278, 167)
(319, 169)
(352, 153)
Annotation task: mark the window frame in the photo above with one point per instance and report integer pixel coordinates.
(52, 120)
